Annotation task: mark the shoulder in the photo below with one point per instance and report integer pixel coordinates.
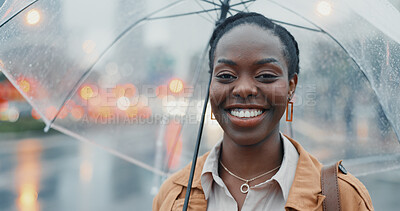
(172, 188)
(168, 192)
(353, 194)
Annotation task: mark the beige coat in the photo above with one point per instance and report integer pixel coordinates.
(305, 193)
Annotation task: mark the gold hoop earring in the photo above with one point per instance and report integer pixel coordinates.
(212, 115)
(289, 119)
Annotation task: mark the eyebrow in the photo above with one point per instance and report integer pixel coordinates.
(266, 61)
(226, 61)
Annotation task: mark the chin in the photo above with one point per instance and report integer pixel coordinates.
(248, 138)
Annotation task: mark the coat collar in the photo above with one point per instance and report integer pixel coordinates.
(183, 178)
(305, 193)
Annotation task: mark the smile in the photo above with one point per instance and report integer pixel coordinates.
(245, 113)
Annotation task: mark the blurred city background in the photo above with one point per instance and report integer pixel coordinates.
(53, 171)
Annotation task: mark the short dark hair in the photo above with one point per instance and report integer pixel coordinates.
(290, 52)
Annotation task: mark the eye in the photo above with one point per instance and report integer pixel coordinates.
(226, 76)
(266, 77)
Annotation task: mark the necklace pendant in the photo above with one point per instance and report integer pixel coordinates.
(244, 188)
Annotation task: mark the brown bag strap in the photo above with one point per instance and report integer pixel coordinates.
(330, 187)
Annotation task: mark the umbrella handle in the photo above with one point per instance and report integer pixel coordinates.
(196, 149)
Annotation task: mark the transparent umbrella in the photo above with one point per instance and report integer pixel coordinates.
(131, 77)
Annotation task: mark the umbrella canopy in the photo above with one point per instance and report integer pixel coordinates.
(131, 77)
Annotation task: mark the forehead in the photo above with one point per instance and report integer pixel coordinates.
(250, 39)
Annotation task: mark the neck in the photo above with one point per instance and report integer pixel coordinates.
(251, 161)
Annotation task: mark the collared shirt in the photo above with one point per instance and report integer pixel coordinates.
(269, 195)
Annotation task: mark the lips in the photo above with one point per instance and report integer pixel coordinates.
(246, 115)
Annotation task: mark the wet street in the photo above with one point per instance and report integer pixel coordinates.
(55, 172)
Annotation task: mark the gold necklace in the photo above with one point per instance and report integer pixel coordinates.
(244, 188)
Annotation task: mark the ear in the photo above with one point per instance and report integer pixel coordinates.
(292, 85)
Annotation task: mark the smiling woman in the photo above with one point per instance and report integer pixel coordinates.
(254, 67)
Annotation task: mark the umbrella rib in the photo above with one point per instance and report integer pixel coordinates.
(182, 14)
(17, 13)
(297, 26)
(328, 34)
(197, 1)
(242, 2)
(112, 151)
(216, 12)
(245, 6)
(290, 24)
(85, 75)
(294, 12)
(210, 2)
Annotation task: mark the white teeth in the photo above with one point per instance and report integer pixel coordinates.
(245, 113)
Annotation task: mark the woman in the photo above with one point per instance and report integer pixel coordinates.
(254, 65)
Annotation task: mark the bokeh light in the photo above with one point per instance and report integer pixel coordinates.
(130, 90)
(86, 92)
(118, 91)
(161, 91)
(3, 105)
(13, 114)
(33, 17)
(63, 113)
(77, 112)
(123, 103)
(24, 85)
(35, 114)
(51, 112)
(324, 8)
(176, 86)
(132, 111)
(28, 197)
(88, 46)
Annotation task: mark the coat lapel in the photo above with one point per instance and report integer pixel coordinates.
(305, 193)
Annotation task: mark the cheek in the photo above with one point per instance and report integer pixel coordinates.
(276, 94)
(218, 93)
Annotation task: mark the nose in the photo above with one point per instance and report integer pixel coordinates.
(244, 88)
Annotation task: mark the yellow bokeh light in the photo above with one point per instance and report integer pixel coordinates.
(33, 17)
(176, 86)
(324, 8)
(28, 196)
(88, 46)
(24, 85)
(86, 92)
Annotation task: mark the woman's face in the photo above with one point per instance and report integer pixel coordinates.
(250, 87)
